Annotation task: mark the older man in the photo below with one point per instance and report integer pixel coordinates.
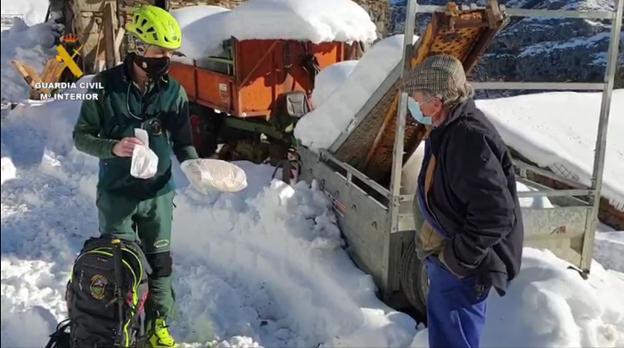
(472, 233)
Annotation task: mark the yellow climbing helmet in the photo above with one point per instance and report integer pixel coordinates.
(155, 26)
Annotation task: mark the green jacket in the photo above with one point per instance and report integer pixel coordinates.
(121, 107)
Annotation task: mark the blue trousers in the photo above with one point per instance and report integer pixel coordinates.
(455, 308)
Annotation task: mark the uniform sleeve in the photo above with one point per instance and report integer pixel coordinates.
(87, 130)
(181, 134)
(478, 180)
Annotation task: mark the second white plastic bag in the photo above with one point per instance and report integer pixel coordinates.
(214, 175)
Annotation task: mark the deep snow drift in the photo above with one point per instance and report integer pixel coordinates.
(204, 28)
(244, 262)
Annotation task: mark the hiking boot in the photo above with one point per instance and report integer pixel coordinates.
(160, 336)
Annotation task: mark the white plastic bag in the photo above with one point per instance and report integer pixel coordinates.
(214, 175)
(144, 160)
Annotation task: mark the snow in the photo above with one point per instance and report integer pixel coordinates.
(558, 131)
(243, 261)
(250, 266)
(31, 45)
(204, 28)
(329, 79)
(266, 266)
(31, 11)
(543, 127)
(190, 14)
(319, 128)
(549, 46)
(609, 248)
(558, 308)
(8, 169)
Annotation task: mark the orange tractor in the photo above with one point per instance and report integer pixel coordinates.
(244, 104)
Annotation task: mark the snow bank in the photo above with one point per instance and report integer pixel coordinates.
(243, 261)
(550, 305)
(319, 128)
(31, 45)
(609, 247)
(263, 267)
(558, 131)
(329, 79)
(609, 250)
(30, 11)
(280, 246)
(316, 21)
(8, 170)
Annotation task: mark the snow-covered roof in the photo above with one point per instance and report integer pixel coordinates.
(204, 28)
(558, 130)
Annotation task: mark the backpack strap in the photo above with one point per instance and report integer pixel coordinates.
(60, 338)
(118, 295)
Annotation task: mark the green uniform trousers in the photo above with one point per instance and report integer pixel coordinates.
(147, 222)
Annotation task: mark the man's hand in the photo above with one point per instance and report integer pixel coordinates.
(125, 146)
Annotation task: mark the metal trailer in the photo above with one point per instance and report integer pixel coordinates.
(379, 223)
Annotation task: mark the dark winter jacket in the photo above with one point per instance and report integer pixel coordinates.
(472, 198)
(121, 107)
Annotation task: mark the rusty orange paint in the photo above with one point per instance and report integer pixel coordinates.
(214, 89)
(263, 71)
(185, 74)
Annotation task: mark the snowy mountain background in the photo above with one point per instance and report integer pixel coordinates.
(541, 49)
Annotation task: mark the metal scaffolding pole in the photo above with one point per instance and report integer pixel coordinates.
(601, 140)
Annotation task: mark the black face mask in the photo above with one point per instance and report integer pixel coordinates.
(154, 67)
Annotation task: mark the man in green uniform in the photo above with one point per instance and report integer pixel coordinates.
(140, 94)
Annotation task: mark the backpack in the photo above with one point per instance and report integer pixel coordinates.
(105, 295)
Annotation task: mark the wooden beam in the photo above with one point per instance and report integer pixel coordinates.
(109, 34)
(118, 40)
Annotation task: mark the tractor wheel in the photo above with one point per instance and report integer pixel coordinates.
(414, 280)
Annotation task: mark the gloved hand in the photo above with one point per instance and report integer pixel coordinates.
(207, 175)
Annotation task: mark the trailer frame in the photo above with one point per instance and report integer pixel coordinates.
(378, 242)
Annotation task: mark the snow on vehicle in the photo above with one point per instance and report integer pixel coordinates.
(249, 72)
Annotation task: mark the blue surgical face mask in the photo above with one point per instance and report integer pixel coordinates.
(414, 110)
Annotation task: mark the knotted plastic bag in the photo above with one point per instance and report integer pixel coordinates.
(144, 160)
(208, 175)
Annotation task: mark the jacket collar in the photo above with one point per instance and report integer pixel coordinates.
(458, 112)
